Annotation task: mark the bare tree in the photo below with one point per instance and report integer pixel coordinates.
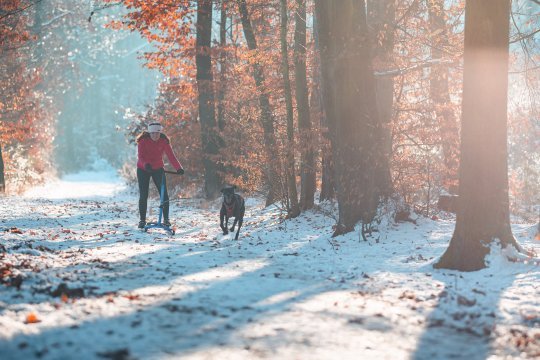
(483, 205)
(293, 209)
(205, 85)
(2, 177)
(350, 104)
(307, 159)
(439, 91)
(267, 117)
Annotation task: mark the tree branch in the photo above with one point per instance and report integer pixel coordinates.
(427, 63)
(524, 36)
(106, 6)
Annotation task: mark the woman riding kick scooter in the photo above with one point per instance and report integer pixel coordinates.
(152, 144)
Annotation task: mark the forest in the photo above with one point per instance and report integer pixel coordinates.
(381, 117)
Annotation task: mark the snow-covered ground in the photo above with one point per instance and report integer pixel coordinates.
(79, 281)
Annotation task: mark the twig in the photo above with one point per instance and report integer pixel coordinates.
(106, 6)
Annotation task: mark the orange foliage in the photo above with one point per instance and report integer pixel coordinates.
(25, 124)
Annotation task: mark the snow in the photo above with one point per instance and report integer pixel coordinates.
(101, 182)
(285, 290)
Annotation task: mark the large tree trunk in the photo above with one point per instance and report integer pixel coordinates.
(327, 167)
(439, 92)
(307, 160)
(267, 118)
(293, 208)
(483, 210)
(2, 177)
(351, 107)
(381, 19)
(205, 85)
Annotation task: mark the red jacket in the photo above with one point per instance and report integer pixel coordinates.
(151, 152)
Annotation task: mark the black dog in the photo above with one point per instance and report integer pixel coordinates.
(233, 206)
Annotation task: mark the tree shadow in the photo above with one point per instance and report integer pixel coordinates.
(209, 315)
(462, 324)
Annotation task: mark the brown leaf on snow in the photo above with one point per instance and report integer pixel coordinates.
(530, 316)
(63, 289)
(32, 319)
(462, 300)
(16, 282)
(15, 230)
(132, 297)
(356, 320)
(5, 270)
(407, 295)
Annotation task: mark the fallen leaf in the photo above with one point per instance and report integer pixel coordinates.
(32, 318)
(14, 230)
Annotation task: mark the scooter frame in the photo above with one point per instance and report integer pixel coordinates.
(159, 224)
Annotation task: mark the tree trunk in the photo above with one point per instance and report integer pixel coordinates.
(307, 160)
(223, 68)
(293, 208)
(205, 85)
(267, 118)
(381, 19)
(2, 175)
(440, 95)
(350, 101)
(327, 168)
(483, 209)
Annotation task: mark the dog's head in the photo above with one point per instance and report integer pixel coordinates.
(228, 193)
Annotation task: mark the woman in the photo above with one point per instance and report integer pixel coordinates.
(151, 145)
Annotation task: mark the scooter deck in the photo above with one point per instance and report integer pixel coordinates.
(155, 225)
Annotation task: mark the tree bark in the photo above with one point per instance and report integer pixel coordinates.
(483, 204)
(381, 19)
(267, 118)
(2, 175)
(350, 103)
(307, 159)
(439, 93)
(327, 167)
(205, 85)
(293, 208)
(223, 67)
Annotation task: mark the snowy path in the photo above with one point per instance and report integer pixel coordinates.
(285, 290)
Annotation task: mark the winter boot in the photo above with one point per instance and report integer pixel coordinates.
(142, 224)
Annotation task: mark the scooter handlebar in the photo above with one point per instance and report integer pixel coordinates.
(171, 172)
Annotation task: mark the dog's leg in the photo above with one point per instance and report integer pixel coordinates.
(239, 226)
(226, 230)
(233, 224)
(221, 218)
